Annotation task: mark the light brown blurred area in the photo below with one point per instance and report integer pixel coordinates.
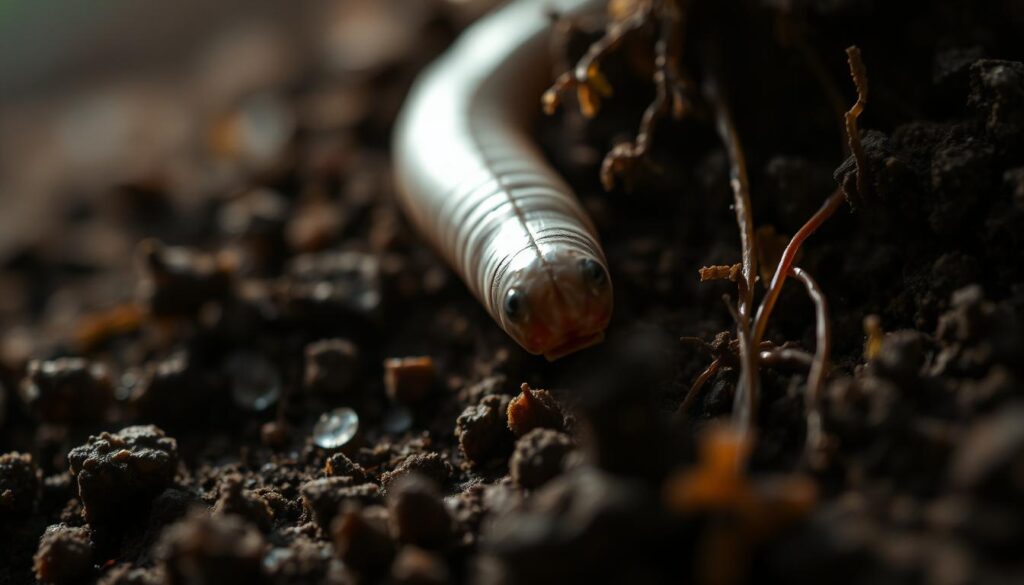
(187, 94)
(114, 108)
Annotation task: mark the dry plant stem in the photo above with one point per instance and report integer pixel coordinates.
(782, 271)
(670, 93)
(747, 395)
(586, 77)
(860, 80)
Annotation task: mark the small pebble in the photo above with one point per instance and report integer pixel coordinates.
(336, 428)
(408, 380)
(255, 380)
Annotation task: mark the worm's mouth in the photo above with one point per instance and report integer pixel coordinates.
(574, 344)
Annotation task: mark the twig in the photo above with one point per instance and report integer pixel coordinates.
(747, 394)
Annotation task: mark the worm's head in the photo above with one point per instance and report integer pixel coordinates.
(557, 304)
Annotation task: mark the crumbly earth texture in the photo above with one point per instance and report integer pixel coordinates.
(170, 340)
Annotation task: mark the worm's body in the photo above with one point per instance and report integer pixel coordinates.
(474, 183)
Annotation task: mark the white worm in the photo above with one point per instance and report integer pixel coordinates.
(472, 180)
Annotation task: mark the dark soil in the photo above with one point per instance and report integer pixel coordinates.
(157, 408)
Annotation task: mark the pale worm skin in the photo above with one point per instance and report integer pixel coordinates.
(473, 181)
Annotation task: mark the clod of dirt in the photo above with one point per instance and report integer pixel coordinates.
(991, 456)
(19, 485)
(583, 526)
(482, 430)
(430, 465)
(243, 503)
(417, 514)
(539, 455)
(332, 365)
(65, 555)
(415, 566)
(126, 574)
(205, 549)
(176, 392)
(301, 562)
(534, 409)
(997, 94)
(324, 497)
(902, 355)
(361, 539)
(118, 471)
(67, 390)
(409, 380)
(179, 281)
(339, 465)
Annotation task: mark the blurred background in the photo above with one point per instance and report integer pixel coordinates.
(122, 119)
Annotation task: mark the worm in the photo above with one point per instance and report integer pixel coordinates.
(472, 180)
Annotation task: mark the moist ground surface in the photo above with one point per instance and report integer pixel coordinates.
(176, 339)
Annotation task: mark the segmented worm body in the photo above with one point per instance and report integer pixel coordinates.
(473, 181)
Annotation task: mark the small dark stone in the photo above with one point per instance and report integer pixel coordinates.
(118, 471)
(430, 465)
(65, 555)
(482, 430)
(19, 485)
(332, 366)
(417, 514)
(324, 497)
(539, 456)
(211, 550)
(67, 390)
